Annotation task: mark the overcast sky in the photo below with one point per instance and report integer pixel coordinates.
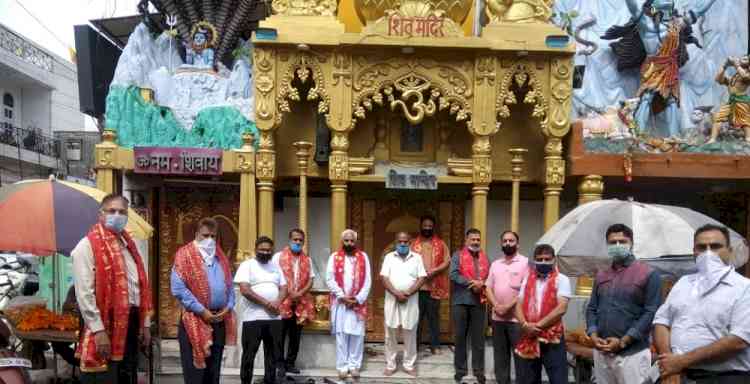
(59, 16)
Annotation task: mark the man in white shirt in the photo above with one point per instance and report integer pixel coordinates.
(402, 274)
(263, 287)
(702, 330)
(348, 278)
(114, 297)
(542, 302)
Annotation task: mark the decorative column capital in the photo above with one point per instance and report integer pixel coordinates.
(244, 157)
(590, 189)
(338, 163)
(265, 159)
(106, 151)
(516, 162)
(303, 155)
(481, 161)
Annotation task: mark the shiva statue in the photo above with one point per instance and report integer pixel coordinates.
(736, 111)
(655, 39)
(200, 52)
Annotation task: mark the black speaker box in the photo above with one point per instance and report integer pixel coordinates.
(96, 61)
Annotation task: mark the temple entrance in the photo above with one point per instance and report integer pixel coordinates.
(181, 209)
(379, 215)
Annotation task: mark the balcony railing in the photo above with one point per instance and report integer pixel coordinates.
(29, 140)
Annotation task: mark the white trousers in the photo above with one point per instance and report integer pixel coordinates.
(391, 347)
(615, 369)
(349, 350)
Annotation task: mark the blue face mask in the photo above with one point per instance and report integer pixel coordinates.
(402, 249)
(295, 247)
(618, 252)
(116, 222)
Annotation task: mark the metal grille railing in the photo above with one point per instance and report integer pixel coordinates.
(29, 140)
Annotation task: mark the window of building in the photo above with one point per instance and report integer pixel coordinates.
(8, 104)
(73, 150)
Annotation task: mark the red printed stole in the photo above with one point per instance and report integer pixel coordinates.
(528, 346)
(466, 267)
(111, 290)
(360, 269)
(304, 309)
(439, 282)
(189, 266)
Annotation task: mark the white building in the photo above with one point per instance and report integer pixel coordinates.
(38, 96)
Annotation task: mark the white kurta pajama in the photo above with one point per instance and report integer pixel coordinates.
(348, 328)
(402, 272)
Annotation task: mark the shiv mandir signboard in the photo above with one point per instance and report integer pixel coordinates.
(178, 161)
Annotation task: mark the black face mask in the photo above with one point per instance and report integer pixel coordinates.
(509, 249)
(349, 248)
(263, 257)
(426, 232)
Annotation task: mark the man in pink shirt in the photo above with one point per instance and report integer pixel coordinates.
(503, 285)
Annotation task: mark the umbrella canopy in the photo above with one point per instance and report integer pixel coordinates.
(660, 232)
(48, 216)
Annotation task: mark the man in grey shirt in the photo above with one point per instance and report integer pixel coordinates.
(468, 271)
(702, 331)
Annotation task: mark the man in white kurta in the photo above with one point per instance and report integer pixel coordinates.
(348, 278)
(403, 274)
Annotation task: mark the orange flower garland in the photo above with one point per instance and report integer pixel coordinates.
(41, 318)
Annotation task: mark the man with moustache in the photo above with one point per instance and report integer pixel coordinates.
(435, 257)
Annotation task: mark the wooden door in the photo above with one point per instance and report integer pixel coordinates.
(181, 210)
(379, 220)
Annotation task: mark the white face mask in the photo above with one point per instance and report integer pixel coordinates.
(711, 269)
(208, 248)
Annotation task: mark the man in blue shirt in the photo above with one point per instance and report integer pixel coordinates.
(202, 282)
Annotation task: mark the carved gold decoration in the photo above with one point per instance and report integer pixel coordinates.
(370, 11)
(338, 166)
(432, 84)
(264, 62)
(340, 142)
(555, 171)
(590, 189)
(518, 11)
(305, 7)
(482, 170)
(303, 67)
(303, 160)
(481, 145)
(484, 121)
(561, 89)
(340, 116)
(522, 74)
(245, 156)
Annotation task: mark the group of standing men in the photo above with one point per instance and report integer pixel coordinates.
(700, 332)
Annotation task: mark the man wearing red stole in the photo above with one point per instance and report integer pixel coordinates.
(542, 302)
(348, 278)
(468, 272)
(114, 297)
(434, 254)
(202, 282)
(298, 307)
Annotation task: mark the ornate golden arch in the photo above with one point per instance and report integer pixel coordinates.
(401, 84)
(522, 73)
(303, 67)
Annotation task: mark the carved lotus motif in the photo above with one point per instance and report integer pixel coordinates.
(372, 10)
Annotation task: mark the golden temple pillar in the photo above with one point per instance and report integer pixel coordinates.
(338, 173)
(105, 154)
(516, 170)
(481, 177)
(560, 90)
(303, 159)
(554, 179)
(244, 160)
(265, 165)
(590, 189)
